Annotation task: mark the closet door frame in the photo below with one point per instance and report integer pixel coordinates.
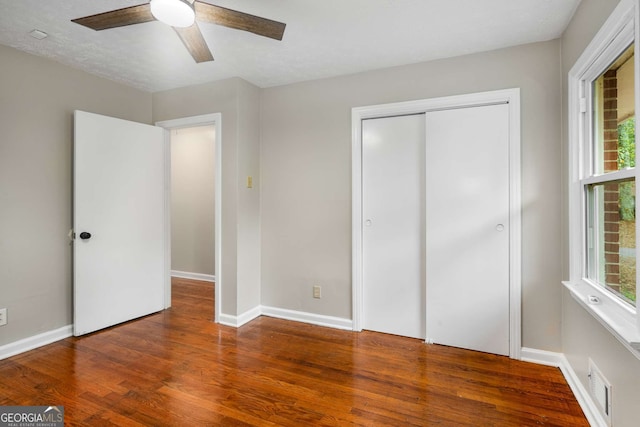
(508, 96)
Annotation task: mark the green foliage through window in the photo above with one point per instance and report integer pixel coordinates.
(627, 192)
(628, 201)
(627, 143)
(627, 159)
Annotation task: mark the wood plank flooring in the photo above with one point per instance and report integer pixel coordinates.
(178, 368)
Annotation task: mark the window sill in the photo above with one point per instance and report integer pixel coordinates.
(617, 319)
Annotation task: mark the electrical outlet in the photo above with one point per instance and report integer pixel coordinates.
(3, 316)
(317, 291)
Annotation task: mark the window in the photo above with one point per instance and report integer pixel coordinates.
(609, 180)
(602, 172)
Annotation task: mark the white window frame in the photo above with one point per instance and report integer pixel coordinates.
(618, 32)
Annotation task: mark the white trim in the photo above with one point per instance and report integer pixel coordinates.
(283, 313)
(581, 393)
(435, 104)
(576, 260)
(244, 318)
(214, 119)
(193, 276)
(510, 96)
(35, 341)
(228, 320)
(608, 177)
(541, 357)
(515, 227)
(357, 288)
(304, 317)
(188, 122)
(249, 315)
(610, 312)
(614, 36)
(167, 219)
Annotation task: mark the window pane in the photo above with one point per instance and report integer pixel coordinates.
(612, 237)
(614, 116)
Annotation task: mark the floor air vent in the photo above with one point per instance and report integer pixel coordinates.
(600, 390)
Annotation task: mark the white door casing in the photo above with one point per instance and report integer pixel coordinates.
(393, 233)
(119, 272)
(510, 97)
(467, 224)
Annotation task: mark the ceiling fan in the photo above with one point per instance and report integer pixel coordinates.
(181, 15)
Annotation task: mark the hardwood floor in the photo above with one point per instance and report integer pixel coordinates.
(179, 368)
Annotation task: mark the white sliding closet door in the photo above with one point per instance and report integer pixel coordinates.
(393, 225)
(467, 228)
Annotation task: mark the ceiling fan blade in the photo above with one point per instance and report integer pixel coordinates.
(238, 20)
(117, 18)
(195, 43)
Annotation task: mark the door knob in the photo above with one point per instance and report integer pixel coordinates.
(85, 236)
(368, 223)
(499, 227)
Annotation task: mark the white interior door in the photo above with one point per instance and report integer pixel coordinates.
(467, 226)
(119, 271)
(393, 225)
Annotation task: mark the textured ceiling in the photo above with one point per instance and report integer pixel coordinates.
(322, 39)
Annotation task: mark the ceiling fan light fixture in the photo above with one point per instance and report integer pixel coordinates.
(176, 13)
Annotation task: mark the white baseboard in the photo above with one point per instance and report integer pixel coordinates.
(583, 397)
(248, 316)
(315, 319)
(35, 341)
(237, 321)
(193, 276)
(541, 357)
(281, 313)
(228, 320)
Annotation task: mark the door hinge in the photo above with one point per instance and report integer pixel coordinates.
(583, 105)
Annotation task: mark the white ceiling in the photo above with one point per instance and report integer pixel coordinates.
(323, 38)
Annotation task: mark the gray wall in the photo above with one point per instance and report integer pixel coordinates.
(193, 200)
(582, 336)
(306, 176)
(37, 99)
(249, 292)
(237, 102)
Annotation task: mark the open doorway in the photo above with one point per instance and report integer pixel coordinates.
(193, 212)
(193, 203)
(196, 235)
